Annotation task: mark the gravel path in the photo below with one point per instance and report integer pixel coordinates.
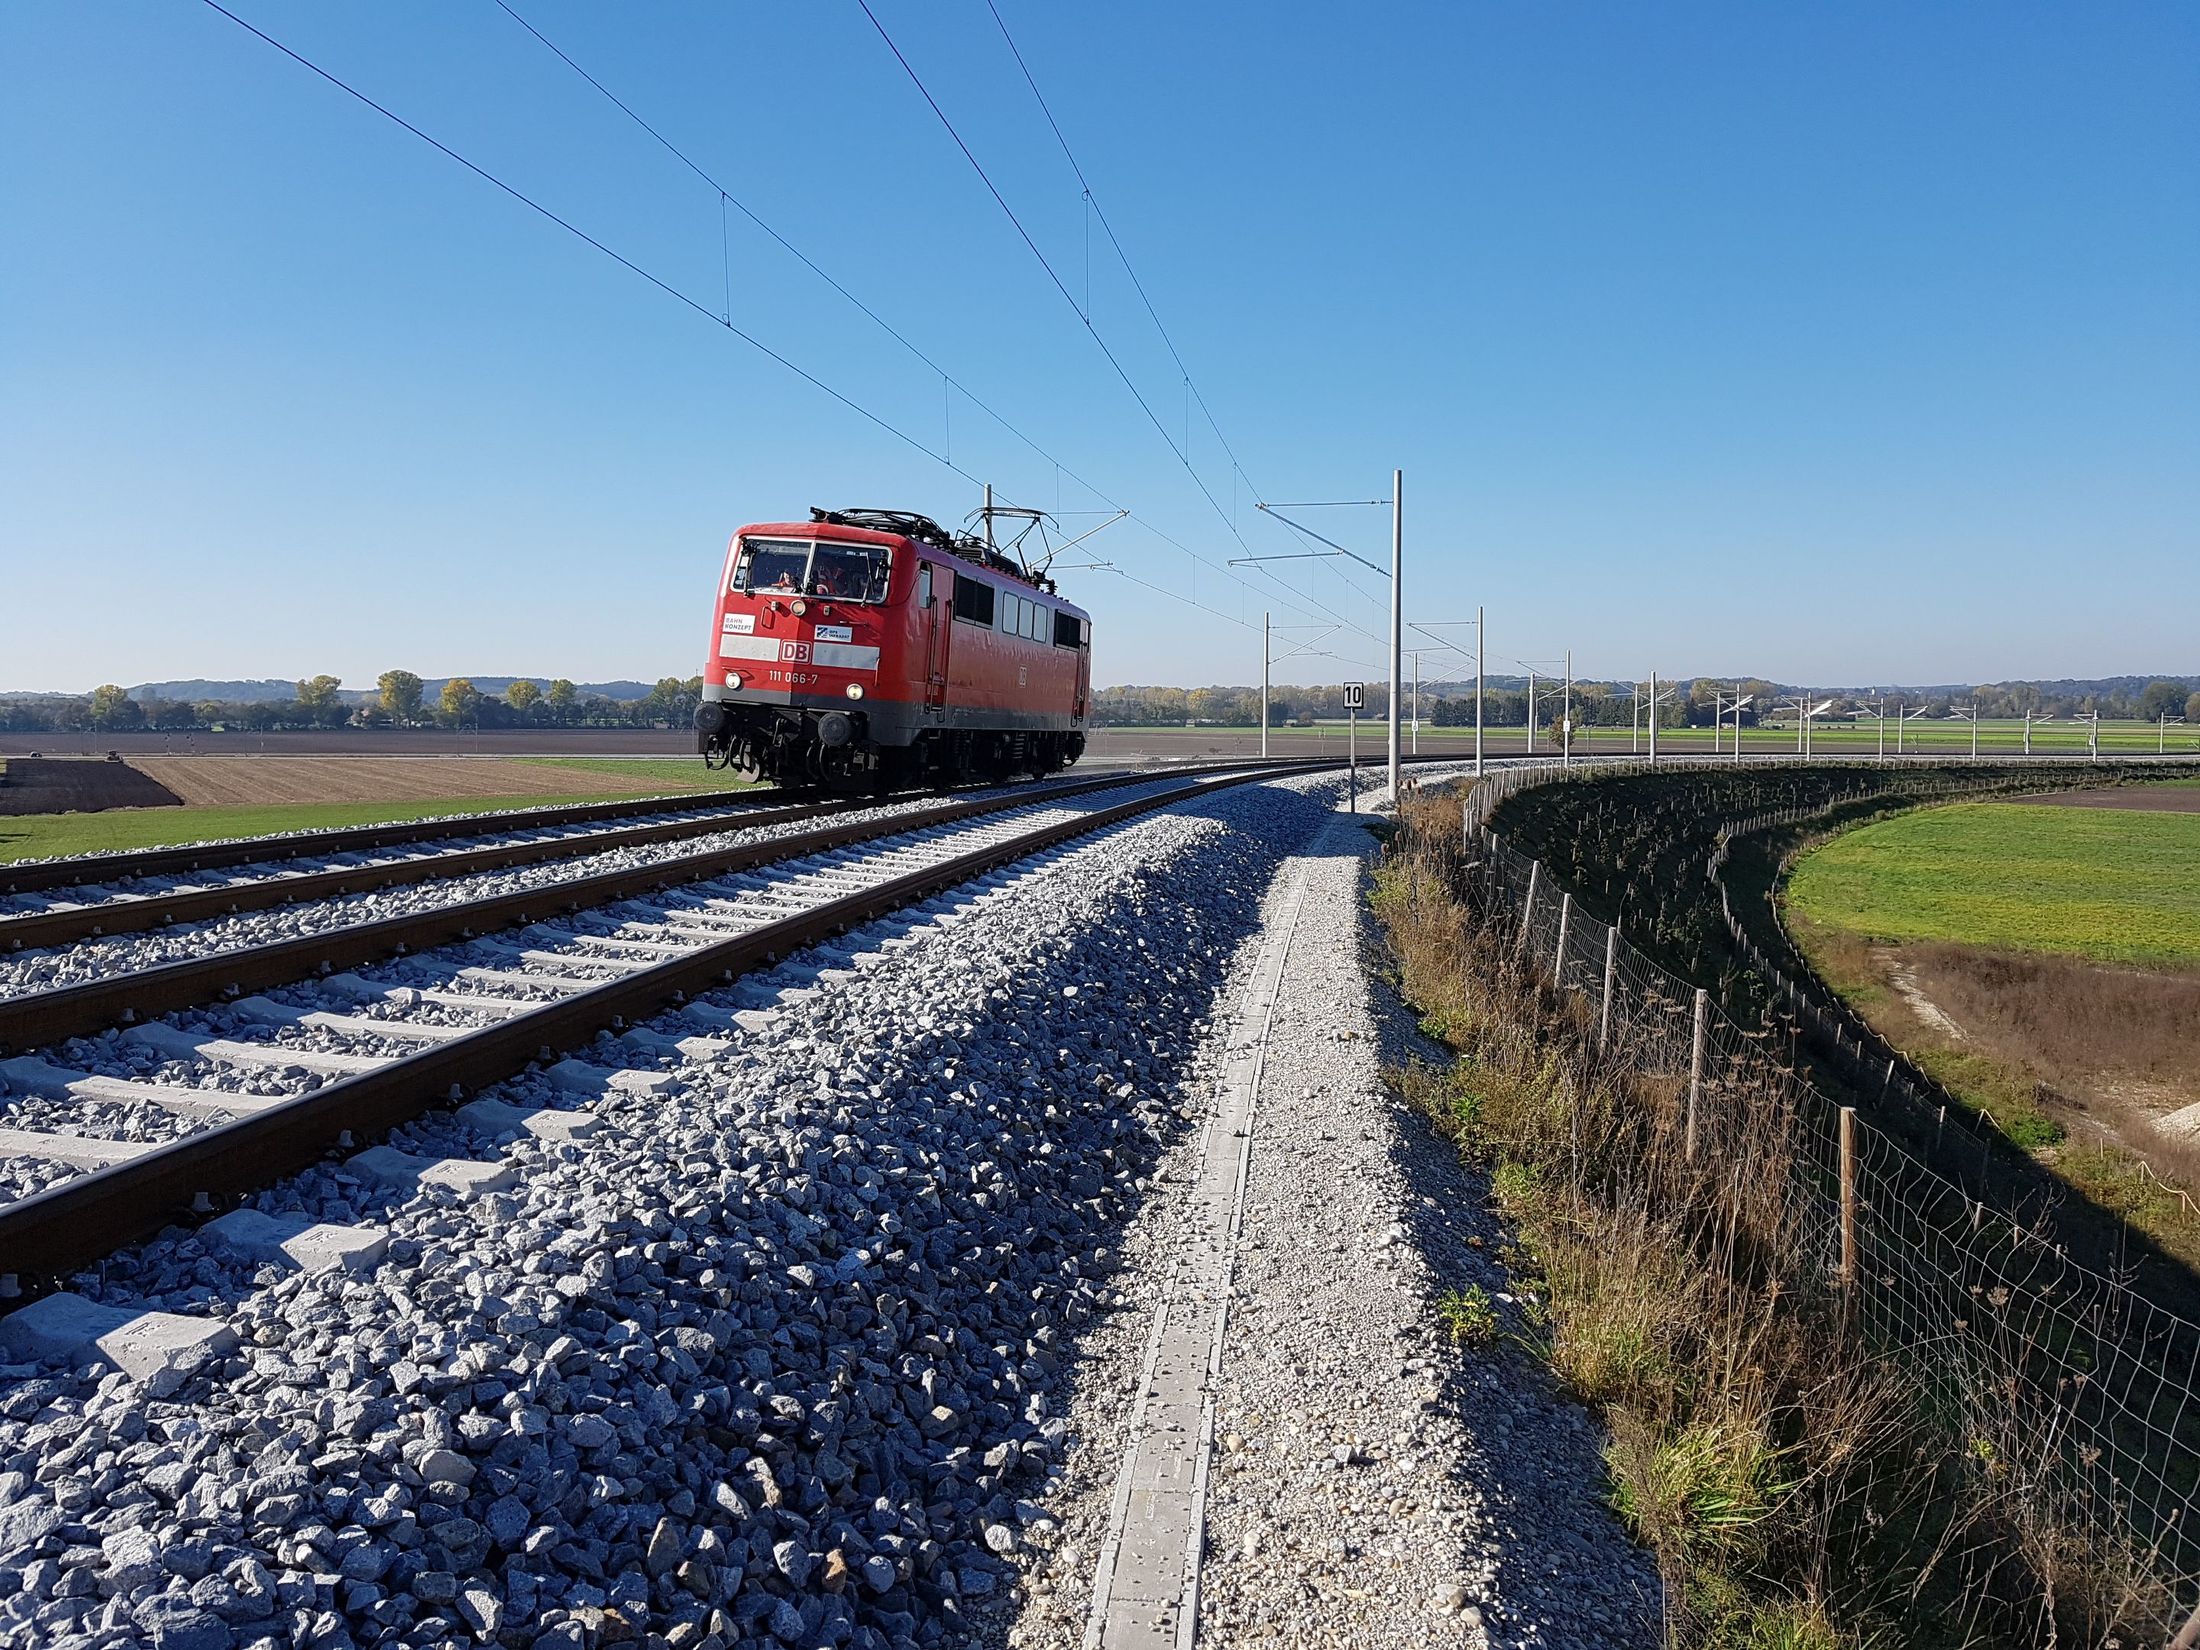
(1371, 1484)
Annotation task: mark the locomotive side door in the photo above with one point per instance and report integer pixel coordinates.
(933, 607)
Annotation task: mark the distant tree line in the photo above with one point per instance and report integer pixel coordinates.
(399, 702)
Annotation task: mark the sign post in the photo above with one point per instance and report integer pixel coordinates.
(1355, 697)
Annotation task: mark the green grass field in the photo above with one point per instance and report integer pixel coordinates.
(41, 836)
(2114, 885)
(672, 772)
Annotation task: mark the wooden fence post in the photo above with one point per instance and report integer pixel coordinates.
(1558, 957)
(1527, 909)
(1695, 1069)
(1611, 967)
(2188, 1636)
(1848, 1199)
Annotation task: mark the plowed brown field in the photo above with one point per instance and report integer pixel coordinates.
(203, 781)
(49, 785)
(2174, 798)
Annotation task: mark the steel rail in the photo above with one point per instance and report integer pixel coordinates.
(37, 875)
(140, 913)
(69, 1225)
(41, 1017)
(136, 914)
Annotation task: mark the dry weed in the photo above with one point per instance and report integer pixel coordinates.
(1797, 1487)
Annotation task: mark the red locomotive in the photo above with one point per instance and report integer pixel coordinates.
(873, 648)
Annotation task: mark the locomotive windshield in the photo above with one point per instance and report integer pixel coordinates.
(849, 572)
(843, 572)
(771, 564)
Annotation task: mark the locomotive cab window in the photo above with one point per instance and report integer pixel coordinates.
(848, 572)
(1069, 630)
(973, 601)
(771, 565)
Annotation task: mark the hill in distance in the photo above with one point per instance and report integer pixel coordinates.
(496, 687)
(241, 693)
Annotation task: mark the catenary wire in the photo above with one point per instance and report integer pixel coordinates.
(579, 233)
(653, 279)
(1068, 297)
(728, 197)
(1109, 229)
(1122, 256)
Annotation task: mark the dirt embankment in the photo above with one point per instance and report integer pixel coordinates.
(2107, 1051)
(2125, 1036)
(47, 785)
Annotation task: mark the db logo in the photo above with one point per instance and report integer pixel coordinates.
(795, 652)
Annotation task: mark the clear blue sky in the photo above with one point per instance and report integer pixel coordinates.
(1830, 343)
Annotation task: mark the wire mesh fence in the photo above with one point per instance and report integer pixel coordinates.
(2093, 1386)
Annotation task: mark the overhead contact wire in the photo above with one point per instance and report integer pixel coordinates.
(1100, 212)
(1068, 297)
(727, 197)
(579, 233)
(725, 322)
(1092, 201)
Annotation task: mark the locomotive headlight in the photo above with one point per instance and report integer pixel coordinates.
(733, 678)
(800, 606)
(855, 690)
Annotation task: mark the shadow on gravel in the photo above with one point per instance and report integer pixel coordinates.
(1566, 1573)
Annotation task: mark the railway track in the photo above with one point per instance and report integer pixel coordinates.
(109, 989)
(187, 858)
(137, 913)
(259, 1086)
(62, 902)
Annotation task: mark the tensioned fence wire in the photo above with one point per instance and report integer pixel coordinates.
(2092, 1387)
